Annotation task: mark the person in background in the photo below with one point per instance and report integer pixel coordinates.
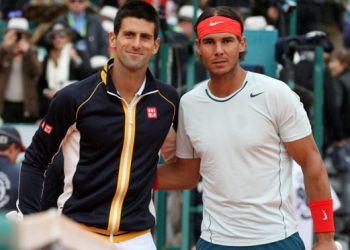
(182, 36)
(110, 128)
(185, 18)
(62, 65)
(240, 131)
(20, 70)
(10, 147)
(107, 15)
(93, 40)
(339, 67)
(269, 9)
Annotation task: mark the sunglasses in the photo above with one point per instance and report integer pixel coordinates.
(61, 34)
(77, 1)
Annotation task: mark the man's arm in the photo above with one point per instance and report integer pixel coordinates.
(304, 151)
(168, 148)
(181, 174)
(44, 146)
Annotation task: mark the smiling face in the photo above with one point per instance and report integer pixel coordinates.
(220, 52)
(134, 44)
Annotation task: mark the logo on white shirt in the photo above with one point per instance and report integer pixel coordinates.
(215, 23)
(254, 95)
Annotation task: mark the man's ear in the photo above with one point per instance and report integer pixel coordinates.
(112, 38)
(156, 46)
(243, 44)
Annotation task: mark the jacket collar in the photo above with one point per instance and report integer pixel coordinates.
(106, 77)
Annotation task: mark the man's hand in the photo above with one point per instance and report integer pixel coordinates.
(10, 38)
(325, 241)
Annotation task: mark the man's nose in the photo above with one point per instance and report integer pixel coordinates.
(136, 43)
(219, 48)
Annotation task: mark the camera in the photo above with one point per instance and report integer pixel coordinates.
(18, 36)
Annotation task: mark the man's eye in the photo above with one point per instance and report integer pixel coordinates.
(208, 42)
(146, 38)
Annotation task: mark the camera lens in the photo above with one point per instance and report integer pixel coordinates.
(19, 35)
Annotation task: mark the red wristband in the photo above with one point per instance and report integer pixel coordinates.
(322, 215)
(155, 185)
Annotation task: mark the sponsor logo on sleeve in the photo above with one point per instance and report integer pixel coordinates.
(47, 128)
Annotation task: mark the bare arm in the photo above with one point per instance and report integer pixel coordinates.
(181, 174)
(306, 154)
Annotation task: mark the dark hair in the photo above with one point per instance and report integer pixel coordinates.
(138, 9)
(343, 56)
(224, 11)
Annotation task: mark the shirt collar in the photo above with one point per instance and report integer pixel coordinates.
(81, 16)
(142, 87)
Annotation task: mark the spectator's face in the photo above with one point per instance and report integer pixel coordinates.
(120, 3)
(77, 6)
(134, 44)
(203, 3)
(60, 39)
(335, 66)
(187, 28)
(12, 152)
(19, 40)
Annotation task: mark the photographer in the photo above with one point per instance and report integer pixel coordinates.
(19, 72)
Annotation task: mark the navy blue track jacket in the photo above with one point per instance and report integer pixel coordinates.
(111, 152)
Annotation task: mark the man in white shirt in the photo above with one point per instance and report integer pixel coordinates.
(240, 132)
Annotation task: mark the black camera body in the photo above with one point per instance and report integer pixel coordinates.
(18, 35)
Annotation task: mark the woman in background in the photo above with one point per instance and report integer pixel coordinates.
(62, 65)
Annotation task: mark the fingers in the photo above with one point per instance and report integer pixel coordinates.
(10, 38)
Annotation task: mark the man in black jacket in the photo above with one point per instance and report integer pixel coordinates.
(110, 128)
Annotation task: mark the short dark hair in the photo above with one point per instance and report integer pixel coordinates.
(224, 11)
(138, 9)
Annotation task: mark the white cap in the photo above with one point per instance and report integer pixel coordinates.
(108, 11)
(108, 26)
(98, 61)
(18, 23)
(186, 12)
(255, 23)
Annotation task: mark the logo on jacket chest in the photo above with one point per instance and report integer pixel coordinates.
(152, 113)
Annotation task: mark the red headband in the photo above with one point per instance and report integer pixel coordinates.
(218, 24)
